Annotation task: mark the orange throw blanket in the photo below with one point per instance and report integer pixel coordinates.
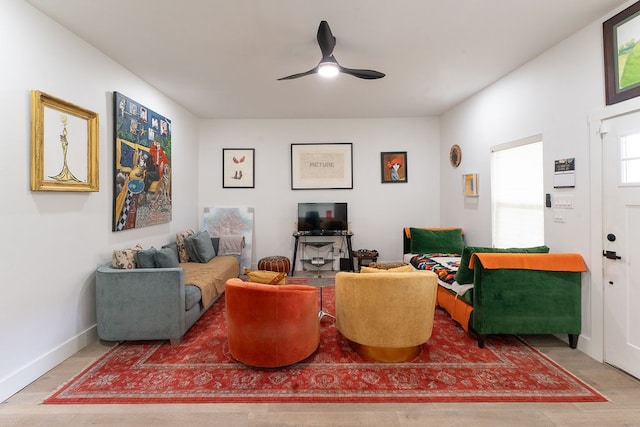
(529, 261)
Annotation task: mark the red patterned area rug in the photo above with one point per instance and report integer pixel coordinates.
(451, 368)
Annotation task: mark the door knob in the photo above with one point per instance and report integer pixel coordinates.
(610, 255)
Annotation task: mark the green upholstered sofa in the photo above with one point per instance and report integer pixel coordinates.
(515, 293)
(526, 294)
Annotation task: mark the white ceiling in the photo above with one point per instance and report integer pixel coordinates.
(221, 58)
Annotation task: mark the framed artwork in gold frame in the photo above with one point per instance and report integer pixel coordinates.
(64, 145)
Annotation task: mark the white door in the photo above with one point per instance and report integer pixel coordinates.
(621, 242)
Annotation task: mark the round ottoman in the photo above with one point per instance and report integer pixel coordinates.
(280, 264)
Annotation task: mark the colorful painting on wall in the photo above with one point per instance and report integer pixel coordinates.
(142, 175)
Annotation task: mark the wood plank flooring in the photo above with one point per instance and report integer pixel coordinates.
(623, 409)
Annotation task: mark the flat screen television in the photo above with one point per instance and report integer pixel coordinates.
(321, 218)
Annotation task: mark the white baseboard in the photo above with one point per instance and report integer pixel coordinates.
(33, 370)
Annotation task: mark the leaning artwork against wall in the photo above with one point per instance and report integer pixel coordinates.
(230, 221)
(142, 170)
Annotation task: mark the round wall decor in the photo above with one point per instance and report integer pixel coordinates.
(455, 155)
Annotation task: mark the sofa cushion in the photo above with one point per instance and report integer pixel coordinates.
(166, 258)
(192, 256)
(192, 296)
(401, 269)
(173, 246)
(266, 277)
(200, 247)
(145, 258)
(464, 274)
(432, 241)
(183, 256)
(125, 258)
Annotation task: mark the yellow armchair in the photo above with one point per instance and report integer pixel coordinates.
(386, 316)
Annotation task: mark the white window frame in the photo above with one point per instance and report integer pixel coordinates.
(517, 202)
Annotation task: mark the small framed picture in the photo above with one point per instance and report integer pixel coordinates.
(238, 168)
(470, 184)
(393, 166)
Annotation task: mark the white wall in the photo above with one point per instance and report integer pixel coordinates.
(377, 211)
(552, 95)
(52, 242)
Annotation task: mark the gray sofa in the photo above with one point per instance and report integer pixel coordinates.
(158, 303)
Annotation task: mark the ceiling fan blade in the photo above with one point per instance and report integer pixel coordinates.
(326, 40)
(295, 76)
(327, 43)
(362, 74)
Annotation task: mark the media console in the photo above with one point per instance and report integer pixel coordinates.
(345, 235)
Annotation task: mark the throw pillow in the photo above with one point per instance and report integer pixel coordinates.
(436, 241)
(464, 275)
(183, 256)
(200, 247)
(402, 269)
(145, 258)
(166, 258)
(266, 277)
(125, 258)
(173, 246)
(192, 255)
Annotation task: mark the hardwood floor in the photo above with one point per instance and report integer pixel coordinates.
(623, 409)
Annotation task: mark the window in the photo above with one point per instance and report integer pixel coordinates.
(517, 202)
(630, 159)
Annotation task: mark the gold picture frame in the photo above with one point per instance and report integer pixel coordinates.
(61, 160)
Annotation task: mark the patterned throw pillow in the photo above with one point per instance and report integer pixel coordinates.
(183, 255)
(125, 258)
(266, 277)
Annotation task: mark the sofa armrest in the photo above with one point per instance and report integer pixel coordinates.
(513, 296)
(529, 261)
(140, 304)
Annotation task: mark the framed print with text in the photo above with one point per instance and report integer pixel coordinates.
(321, 166)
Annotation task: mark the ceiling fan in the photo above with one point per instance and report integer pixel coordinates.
(328, 65)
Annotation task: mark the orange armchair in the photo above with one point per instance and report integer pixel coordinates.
(270, 326)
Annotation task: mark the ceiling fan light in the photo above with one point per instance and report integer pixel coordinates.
(328, 69)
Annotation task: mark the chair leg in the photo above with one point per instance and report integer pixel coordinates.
(323, 313)
(481, 338)
(573, 340)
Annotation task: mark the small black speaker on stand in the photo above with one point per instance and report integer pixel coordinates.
(344, 264)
